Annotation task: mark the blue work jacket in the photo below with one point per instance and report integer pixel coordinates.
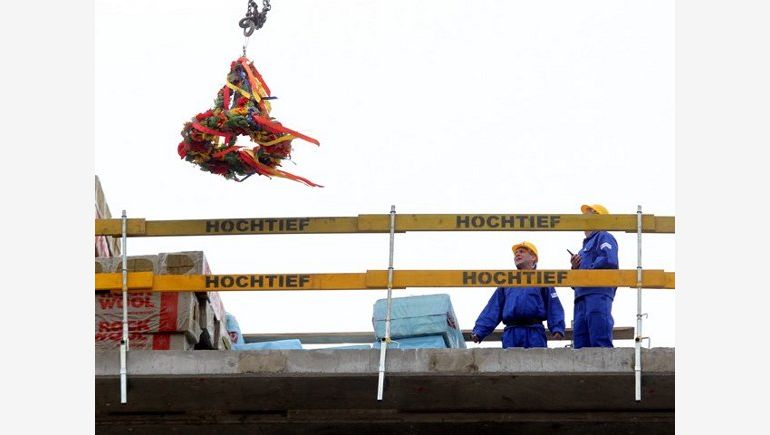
(515, 304)
(600, 251)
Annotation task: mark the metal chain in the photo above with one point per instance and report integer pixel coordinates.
(254, 20)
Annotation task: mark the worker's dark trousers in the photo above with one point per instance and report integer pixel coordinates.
(593, 321)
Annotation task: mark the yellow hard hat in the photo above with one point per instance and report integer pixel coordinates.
(598, 208)
(527, 245)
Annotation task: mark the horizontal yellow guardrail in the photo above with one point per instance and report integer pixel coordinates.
(378, 279)
(380, 223)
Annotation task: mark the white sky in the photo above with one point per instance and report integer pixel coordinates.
(434, 106)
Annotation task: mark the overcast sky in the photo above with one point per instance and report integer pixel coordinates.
(432, 106)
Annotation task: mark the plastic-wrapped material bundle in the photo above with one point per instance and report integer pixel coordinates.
(212, 310)
(293, 343)
(417, 316)
(426, 342)
(239, 344)
(138, 341)
(234, 330)
(350, 347)
(148, 313)
(456, 336)
(106, 246)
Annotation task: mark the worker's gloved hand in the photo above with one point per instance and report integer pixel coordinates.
(575, 260)
(475, 338)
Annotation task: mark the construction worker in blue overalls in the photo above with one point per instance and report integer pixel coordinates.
(522, 309)
(593, 321)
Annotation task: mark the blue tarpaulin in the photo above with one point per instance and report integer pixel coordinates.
(233, 329)
(239, 344)
(426, 342)
(265, 345)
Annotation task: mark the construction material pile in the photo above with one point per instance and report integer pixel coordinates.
(419, 322)
(106, 246)
(161, 320)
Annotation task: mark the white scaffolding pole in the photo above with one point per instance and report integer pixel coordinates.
(124, 341)
(386, 339)
(638, 339)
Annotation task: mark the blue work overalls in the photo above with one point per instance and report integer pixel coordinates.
(593, 321)
(523, 310)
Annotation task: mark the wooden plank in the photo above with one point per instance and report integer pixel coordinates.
(240, 226)
(113, 227)
(134, 281)
(261, 282)
(670, 280)
(377, 279)
(516, 278)
(506, 222)
(665, 224)
(618, 333)
(380, 223)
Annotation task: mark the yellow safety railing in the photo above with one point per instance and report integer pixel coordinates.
(377, 279)
(391, 278)
(380, 223)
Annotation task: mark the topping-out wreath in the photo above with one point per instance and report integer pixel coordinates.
(242, 108)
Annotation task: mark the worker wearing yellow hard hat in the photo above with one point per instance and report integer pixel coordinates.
(522, 309)
(593, 320)
(525, 245)
(593, 208)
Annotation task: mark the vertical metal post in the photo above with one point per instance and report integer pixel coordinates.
(124, 341)
(386, 339)
(638, 339)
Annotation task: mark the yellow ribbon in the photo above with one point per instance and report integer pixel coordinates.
(242, 92)
(273, 142)
(251, 153)
(255, 85)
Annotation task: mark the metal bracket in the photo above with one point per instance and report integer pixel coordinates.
(641, 339)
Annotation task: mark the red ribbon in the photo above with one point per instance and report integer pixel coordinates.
(224, 152)
(225, 97)
(182, 149)
(204, 115)
(274, 127)
(259, 167)
(253, 69)
(207, 130)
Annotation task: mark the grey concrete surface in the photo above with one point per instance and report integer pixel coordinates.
(483, 390)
